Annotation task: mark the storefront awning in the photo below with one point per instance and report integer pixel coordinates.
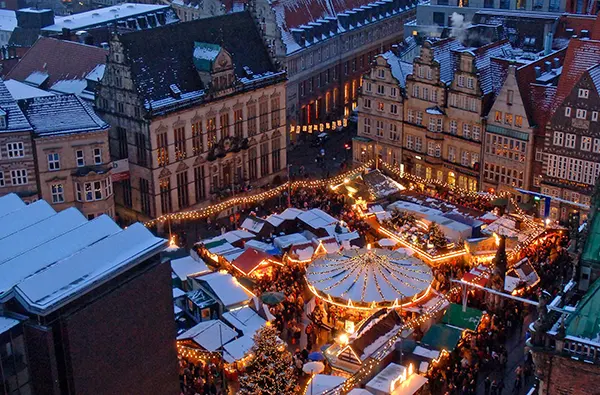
(441, 337)
(468, 319)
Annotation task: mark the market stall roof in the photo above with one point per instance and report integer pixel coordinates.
(382, 382)
(316, 218)
(478, 275)
(6, 323)
(366, 277)
(177, 293)
(237, 349)
(237, 235)
(468, 319)
(188, 266)
(442, 337)
(327, 244)
(303, 251)
(426, 353)
(250, 260)
(253, 224)
(245, 320)
(225, 287)
(375, 333)
(521, 272)
(322, 383)
(210, 335)
(359, 391)
(284, 242)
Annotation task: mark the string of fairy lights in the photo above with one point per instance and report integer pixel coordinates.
(215, 209)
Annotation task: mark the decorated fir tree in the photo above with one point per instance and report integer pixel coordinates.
(436, 236)
(270, 370)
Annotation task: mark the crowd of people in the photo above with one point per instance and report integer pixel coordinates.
(201, 378)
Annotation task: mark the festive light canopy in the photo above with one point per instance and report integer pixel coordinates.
(369, 279)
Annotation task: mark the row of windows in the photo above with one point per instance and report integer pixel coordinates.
(380, 128)
(463, 102)
(393, 108)
(201, 141)
(467, 158)
(425, 93)
(569, 140)
(381, 89)
(321, 80)
(90, 191)
(54, 159)
(572, 169)
(505, 147)
(503, 175)
(509, 119)
(468, 131)
(17, 177)
(580, 113)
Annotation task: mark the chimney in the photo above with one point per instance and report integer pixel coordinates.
(332, 24)
(34, 19)
(352, 16)
(584, 34)
(308, 33)
(555, 63)
(548, 44)
(368, 11)
(538, 71)
(317, 30)
(547, 67)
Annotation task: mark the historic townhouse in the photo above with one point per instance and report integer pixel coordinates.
(197, 111)
(572, 147)
(508, 142)
(73, 159)
(381, 110)
(326, 47)
(17, 155)
(425, 109)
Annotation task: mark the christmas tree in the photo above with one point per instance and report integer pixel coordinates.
(270, 370)
(436, 236)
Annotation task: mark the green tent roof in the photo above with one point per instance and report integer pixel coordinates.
(585, 322)
(441, 337)
(591, 249)
(468, 320)
(214, 244)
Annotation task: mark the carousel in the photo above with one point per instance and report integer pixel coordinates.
(369, 279)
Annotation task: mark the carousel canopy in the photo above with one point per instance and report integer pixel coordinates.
(368, 278)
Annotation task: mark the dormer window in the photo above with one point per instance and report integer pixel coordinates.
(3, 123)
(214, 65)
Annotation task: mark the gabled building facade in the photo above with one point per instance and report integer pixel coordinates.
(509, 141)
(381, 110)
(326, 48)
(572, 147)
(196, 111)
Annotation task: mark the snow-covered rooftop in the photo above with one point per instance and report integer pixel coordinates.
(50, 258)
(20, 90)
(317, 218)
(226, 288)
(6, 323)
(322, 383)
(238, 348)
(245, 320)
(284, 242)
(188, 266)
(210, 335)
(102, 16)
(8, 20)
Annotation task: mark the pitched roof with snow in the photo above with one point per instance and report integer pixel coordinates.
(49, 259)
(581, 55)
(61, 114)
(292, 14)
(163, 56)
(106, 15)
(399, 68)
(188, 266)
(245, 320)
(61, 60)
(226, 288)
(20, 90)
(15, 120)
(210, 335)
(443, 52)
(250, 260)
(381, 329)
(317, 218)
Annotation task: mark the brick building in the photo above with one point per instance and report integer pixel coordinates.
(75, 317)
(326, 47)
(196, 111)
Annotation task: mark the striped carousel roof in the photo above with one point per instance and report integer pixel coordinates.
(369, 278)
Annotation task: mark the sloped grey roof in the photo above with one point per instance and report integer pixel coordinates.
(15, 119)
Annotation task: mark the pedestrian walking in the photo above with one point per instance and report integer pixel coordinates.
(487, 384)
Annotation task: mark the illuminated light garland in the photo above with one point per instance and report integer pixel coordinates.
(266, 195)
(319, 127)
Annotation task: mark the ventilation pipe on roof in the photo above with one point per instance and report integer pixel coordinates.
(538, 71)
(547, 66)
(555, 63)
(548, 44)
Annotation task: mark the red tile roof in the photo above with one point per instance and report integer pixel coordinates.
(581, 55)
(62, 60)
(249, 260)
